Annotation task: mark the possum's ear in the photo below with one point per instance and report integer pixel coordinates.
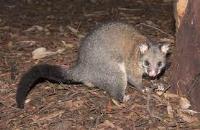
(143, 47)
(165, 48)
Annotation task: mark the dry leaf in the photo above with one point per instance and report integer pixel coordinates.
(78, 104)
(75, 32)
(115, 102)
(184, 103)
(170, 110)
(28, 100)
(191, 112)
(105, 125)
(42, 52)
(167, 40)
(159, 93)
(168, 95)
(50, 116)
(74, 105)
(67, 45)
(34, 28)
(188, 118)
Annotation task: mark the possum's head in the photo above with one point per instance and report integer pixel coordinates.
(153, 58)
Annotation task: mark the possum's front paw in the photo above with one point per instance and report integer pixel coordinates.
(145, 90)
(160, 87)
(126, 98)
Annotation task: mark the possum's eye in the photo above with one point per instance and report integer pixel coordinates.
(159, 64)
(146, 63)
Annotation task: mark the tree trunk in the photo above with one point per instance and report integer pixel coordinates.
(185, 76)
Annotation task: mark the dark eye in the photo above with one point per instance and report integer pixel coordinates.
(159, 63)
(146, 63)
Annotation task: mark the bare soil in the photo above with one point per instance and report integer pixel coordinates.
(26, 25)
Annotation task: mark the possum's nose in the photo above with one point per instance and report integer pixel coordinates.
(152, 73)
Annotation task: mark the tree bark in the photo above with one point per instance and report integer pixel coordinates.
(185, 76)
(179, 11)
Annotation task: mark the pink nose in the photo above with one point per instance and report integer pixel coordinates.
(152, 73)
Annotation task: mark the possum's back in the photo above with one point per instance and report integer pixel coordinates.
(109, 42)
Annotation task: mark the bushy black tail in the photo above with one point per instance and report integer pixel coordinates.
(37, 74)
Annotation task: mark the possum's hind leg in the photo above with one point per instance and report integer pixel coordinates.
(121, 83)
(118, 89)
(113, 79)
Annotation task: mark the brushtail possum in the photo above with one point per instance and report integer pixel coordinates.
(111, 56)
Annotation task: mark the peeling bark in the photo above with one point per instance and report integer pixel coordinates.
(179, 11)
